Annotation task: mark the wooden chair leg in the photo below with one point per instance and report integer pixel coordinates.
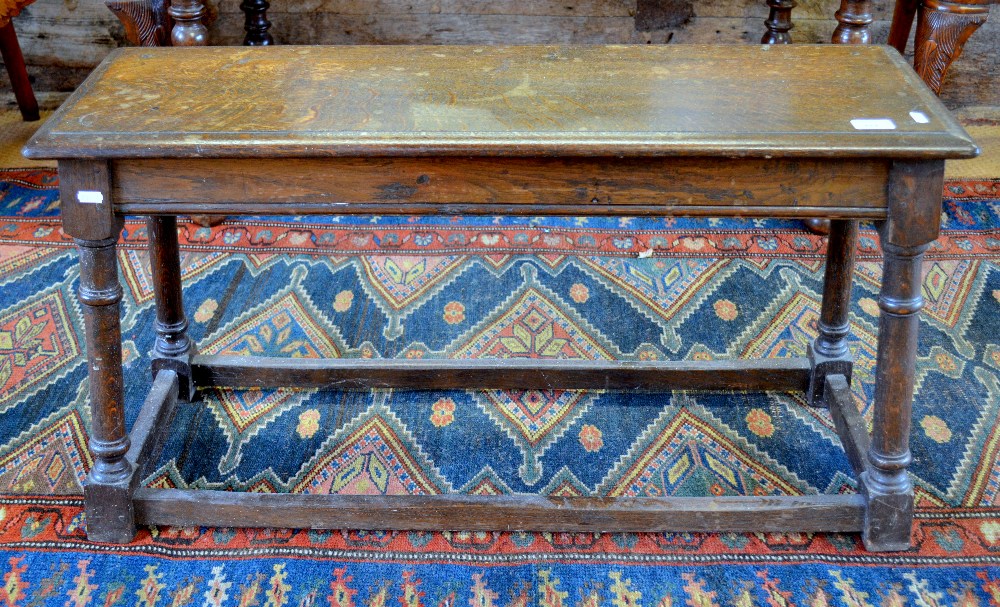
(942, 30)
(902, 23)
(14, 60)
(146, 21)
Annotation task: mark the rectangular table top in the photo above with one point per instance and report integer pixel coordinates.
(626, 100)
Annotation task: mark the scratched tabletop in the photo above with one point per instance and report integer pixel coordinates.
(625, 100)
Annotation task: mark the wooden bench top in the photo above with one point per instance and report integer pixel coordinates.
(636, 100)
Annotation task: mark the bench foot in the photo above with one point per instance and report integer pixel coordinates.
(888, 519)
(109, 512)
(888, 509)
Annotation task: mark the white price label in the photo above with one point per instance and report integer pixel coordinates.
(873, 124)
(89, 197)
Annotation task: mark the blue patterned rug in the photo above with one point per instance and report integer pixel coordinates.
(631, 289)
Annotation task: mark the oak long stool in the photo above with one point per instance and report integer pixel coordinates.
(841, 132)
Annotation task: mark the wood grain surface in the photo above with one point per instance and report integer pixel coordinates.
(629, 100)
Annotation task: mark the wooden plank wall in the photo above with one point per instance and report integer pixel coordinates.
(63, 39)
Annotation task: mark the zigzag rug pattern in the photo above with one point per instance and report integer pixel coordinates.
(631, 289)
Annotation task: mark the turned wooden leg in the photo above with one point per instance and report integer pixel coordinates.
(817, 225)
(778, 22)
(886, 483)
(188, 27)
(830, 354)
(853, 22)
(256, 24)
(173, 349)
(914, 209)
(942, 30)
(10, 50)
(107, 494)
(88, 216)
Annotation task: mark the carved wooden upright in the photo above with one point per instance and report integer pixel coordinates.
(85, 191)
(162, 23)
(913, 223)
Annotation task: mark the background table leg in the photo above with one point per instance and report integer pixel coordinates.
(256, 24)
(778, 22)
(854, 21)
(189, 30)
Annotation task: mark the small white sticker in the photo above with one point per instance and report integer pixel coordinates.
(89, 197)
(873, 124)
(919, 117)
